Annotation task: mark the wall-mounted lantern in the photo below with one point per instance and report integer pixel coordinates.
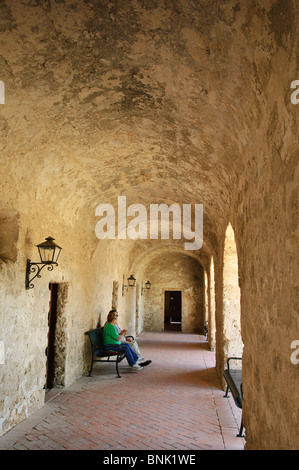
(131, 283)
(48, 253)
(147, 287)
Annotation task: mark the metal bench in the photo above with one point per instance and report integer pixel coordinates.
(233, 378)
(99, 354)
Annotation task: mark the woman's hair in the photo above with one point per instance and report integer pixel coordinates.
(111, 316)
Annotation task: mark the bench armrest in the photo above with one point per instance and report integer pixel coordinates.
(128, 336)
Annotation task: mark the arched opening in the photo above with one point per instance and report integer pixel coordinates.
(179, 103)
(176, 274)
(212, 320)
(232, 341)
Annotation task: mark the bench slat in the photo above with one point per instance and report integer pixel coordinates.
(233, 378)
(99, 354)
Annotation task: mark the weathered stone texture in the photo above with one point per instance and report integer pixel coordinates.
(161, 101)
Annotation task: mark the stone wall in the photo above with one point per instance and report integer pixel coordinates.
(266, 228)
(176, 102)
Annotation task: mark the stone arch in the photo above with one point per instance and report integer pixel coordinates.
(232, 341)
(212, 307)
(176, 270)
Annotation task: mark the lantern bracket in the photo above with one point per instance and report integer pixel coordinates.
(49, 253)
(31, 268)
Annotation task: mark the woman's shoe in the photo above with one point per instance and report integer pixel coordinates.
(137, 367)
(143, 364)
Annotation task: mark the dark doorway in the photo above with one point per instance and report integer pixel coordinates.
(50, 351)
(173, 310)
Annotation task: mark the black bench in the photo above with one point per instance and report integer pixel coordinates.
(233, 378)
(99, 354)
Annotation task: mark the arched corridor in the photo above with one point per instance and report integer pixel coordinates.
(175, 404)
(232, 339)
(153, 140)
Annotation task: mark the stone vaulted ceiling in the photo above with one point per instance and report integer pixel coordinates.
(155, 100)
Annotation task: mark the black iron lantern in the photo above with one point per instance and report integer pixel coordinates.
(131, 283)
(49, 253)
(147, 287)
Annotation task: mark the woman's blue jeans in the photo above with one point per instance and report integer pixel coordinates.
(131, 356)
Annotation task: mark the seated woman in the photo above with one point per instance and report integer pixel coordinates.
(112, 341)
(129, 339)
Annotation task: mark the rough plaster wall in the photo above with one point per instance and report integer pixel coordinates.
(163, 101)
(270, 287)
(270, 292)
(265, 219)
(24, 338)
(24, 328)
(9, 234)
(82, 301)
(267, 237)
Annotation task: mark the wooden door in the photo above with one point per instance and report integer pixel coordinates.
(50, 351)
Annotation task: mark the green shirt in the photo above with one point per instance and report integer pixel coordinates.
(110, 334)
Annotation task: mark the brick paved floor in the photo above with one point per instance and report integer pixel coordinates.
(176, 403)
